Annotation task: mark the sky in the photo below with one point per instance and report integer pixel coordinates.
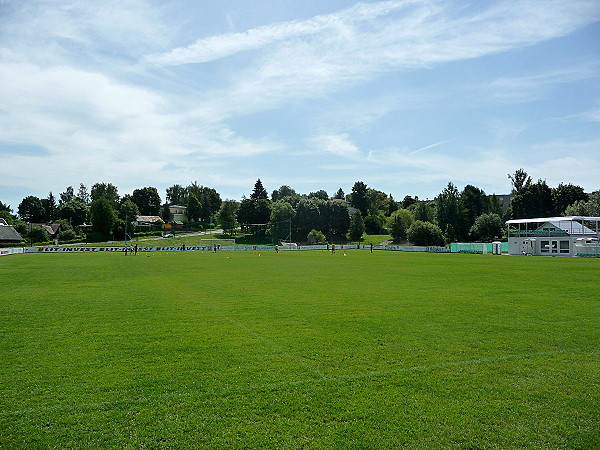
(404, 96)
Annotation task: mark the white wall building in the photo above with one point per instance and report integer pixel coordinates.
(554, 236)
(178, 212)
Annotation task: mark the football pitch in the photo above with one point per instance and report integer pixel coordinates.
(299, 350)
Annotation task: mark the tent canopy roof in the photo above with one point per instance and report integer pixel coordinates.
(554, 219)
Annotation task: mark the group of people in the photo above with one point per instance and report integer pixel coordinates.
(133, 249)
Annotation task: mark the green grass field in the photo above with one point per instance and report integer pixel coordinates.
(299, 350)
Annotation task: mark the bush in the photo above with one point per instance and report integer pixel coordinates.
(316, 237)
(38, 234)
(425, 233)
(66, 235)
(374, 223)
(487, 227)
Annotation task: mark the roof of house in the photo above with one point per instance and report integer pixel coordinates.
(148, 219)
(570, 227)
(8, 233)
(51, 228)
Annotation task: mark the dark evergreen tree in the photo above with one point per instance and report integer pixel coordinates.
(340, 194)
(66, 196)
(450, 214)
(359, 197)
(357, 226)
(259, 192)
(83, 194)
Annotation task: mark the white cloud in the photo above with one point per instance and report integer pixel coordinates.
(415, 35)
(338, 145)
(532, 86)
(220, 46)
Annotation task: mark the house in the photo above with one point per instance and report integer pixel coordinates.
(8, 233)
(51, 228)
(554, 236)
(178, 212)
(148, 220)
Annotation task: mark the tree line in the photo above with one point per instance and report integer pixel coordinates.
(453, 215)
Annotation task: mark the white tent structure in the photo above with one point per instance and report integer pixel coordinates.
(554, 236)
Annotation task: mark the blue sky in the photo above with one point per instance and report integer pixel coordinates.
(402, 95)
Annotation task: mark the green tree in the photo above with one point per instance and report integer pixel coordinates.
(316, 237)
(83, 194)
(67, 235)
(340, 194)
(165, 213)
(423, 211)
(399, 223)
(194, 208)
(374, 222)
(5, 207)
(74, 211)
(306, 218)
(565, 195)
(107, 191)
(377, 202)
(359, 197)
(226, 216)
(6, 216)
(408, 201)
(589, 208)
(38, 235)
(450, 214)
(320, 195)
(66, 196)
(357, 226)
(259, 192)
(282, 215)
(397, 228)
(147, 200)
(50, 209)
(335, 219)
(31, 209)
(519, 180)
(533, 200)
(102, 216)
(494, 206)
(425, 233)
(177, 195)
(475, 203)
(282, 192)
(487, 227)
(253, 214)
(128, 210)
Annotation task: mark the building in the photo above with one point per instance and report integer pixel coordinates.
(554, 236)
(8, 233)
(148, 220)
(178, 212)
(504, 200)
(51, 228)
